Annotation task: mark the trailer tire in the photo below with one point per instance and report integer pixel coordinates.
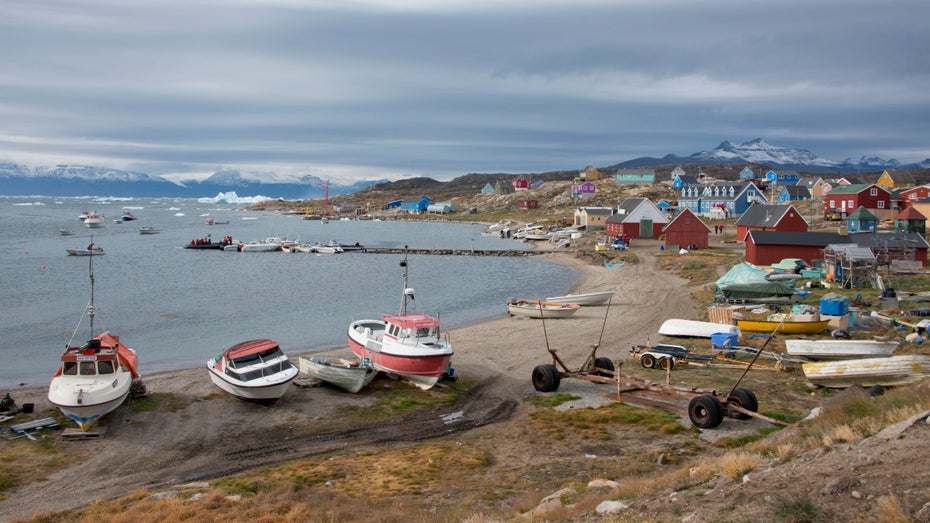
(648, 361)
(667, 363)
(746, 399)
(604, 364)
(546, 378)
(705, 411)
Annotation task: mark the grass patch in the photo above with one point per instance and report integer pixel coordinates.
(158, 401)
(401, 398)
(749, 438)
(595, 423)
(551, 400)
(25, 461)
(797, 509)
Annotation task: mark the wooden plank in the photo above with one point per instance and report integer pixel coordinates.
(72, 434)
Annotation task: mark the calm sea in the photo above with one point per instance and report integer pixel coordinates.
(177, 307)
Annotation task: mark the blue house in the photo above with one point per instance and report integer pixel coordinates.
(861, 220)
(684, 180)
(783, 178)
(720, 200)
(393, 205)
(747, 174)
(793, 193)
(415, 205)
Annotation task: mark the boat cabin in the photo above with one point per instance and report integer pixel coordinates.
(420, 327)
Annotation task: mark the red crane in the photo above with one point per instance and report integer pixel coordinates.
(326, 197)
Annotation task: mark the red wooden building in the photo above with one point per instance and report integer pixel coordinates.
(761, 217)
(686, 230)
(909, 196)
(768, 247)
(521, 183)
(527, 204)
(844, 199)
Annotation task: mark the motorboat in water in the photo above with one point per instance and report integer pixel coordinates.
(405, 345)
(90, 250)
(256, 370)
(148, 230)
(350, 375)
(94, 378)
(94, 220)
(541, 309)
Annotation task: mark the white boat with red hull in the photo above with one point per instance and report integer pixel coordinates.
(406, 345)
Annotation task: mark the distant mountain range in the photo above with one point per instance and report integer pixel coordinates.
(81, 180)
(759, 151)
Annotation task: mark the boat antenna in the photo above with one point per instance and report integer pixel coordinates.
(403, 303)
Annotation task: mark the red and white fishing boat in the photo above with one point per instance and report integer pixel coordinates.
(95, 378)
(256, 370)
(405, 345)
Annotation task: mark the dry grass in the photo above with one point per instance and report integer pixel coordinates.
(26, 461)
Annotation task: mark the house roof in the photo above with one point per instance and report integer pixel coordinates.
(596, 210)
(901, 176)
(910, 213)
(681, 213)
(797, 191)
(688, 179)
(852, 251)
(891, 240)
(863, 215)
(809, 181)
(800, 239)
(854, 188)
(761, 215)
(628, 205)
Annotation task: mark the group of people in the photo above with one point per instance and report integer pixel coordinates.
(718, 229)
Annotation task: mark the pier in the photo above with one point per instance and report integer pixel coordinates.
(447, 252)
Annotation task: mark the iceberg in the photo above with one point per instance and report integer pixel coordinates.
(232, 197)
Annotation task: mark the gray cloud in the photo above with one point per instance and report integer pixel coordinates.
(371, 89)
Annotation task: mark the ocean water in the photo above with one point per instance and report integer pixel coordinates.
(178, 307)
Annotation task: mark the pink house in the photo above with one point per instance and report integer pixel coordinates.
(521, 183)
(584, 190)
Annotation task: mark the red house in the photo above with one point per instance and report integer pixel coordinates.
(844, 199)
(527, 204)
(686, 230)
(760, 217)
(909, 196)
(521, 183)
(768, 247)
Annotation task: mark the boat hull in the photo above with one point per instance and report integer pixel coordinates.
(86, 401)
(695, 329)
(421, 365)
(786, 327)
(348, 375)
(545, 309)
(867, 372)
(590, 298)
(261, 390)
(840, 349)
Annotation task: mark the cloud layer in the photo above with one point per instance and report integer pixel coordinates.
(373, 89)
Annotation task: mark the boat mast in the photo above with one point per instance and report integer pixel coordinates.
(90, 308)
(403, 303)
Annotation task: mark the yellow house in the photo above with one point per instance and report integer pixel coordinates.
(590, 174)
(592, 217)
(895, 180)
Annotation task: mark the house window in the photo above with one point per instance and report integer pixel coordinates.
(851, 205)
(873, 191)
(833, 204)
(881, 204)
(912, 196)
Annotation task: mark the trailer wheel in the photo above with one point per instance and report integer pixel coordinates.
(546, 378)
(667, 363)
(604, 364)
(648, 361)
(705, 411)
(746, 399)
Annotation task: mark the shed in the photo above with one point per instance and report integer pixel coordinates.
(527, 204)
(910, 220)
(761, 217)
(487, 189)
(768, 247)
(861, 220)
(440, 208)
(686, 229)
(637, 218)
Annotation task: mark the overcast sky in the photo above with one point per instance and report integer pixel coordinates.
(365, 89)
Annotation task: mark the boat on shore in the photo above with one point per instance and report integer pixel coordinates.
(541, 309)
(94, 378)
(407, 345)
(784, 327)
(695, 329)
(349, 375)
(588, 298)
(867, 372)
(830, 349)
(256, 370)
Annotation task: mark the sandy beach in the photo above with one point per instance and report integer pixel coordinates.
(211, 434)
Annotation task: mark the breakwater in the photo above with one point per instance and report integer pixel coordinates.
(447, 252)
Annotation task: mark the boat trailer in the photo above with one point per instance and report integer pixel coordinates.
(706, 407)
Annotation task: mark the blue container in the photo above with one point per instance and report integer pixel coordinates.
(837, 307)
(723, 340)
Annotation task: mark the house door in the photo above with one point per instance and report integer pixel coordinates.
(645, 228)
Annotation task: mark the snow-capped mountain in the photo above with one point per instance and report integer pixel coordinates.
(82, 180)
(759, 151)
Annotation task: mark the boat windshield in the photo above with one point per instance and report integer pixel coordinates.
(69, 368)
(88, 368)
(260, 372)
(258, 357)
